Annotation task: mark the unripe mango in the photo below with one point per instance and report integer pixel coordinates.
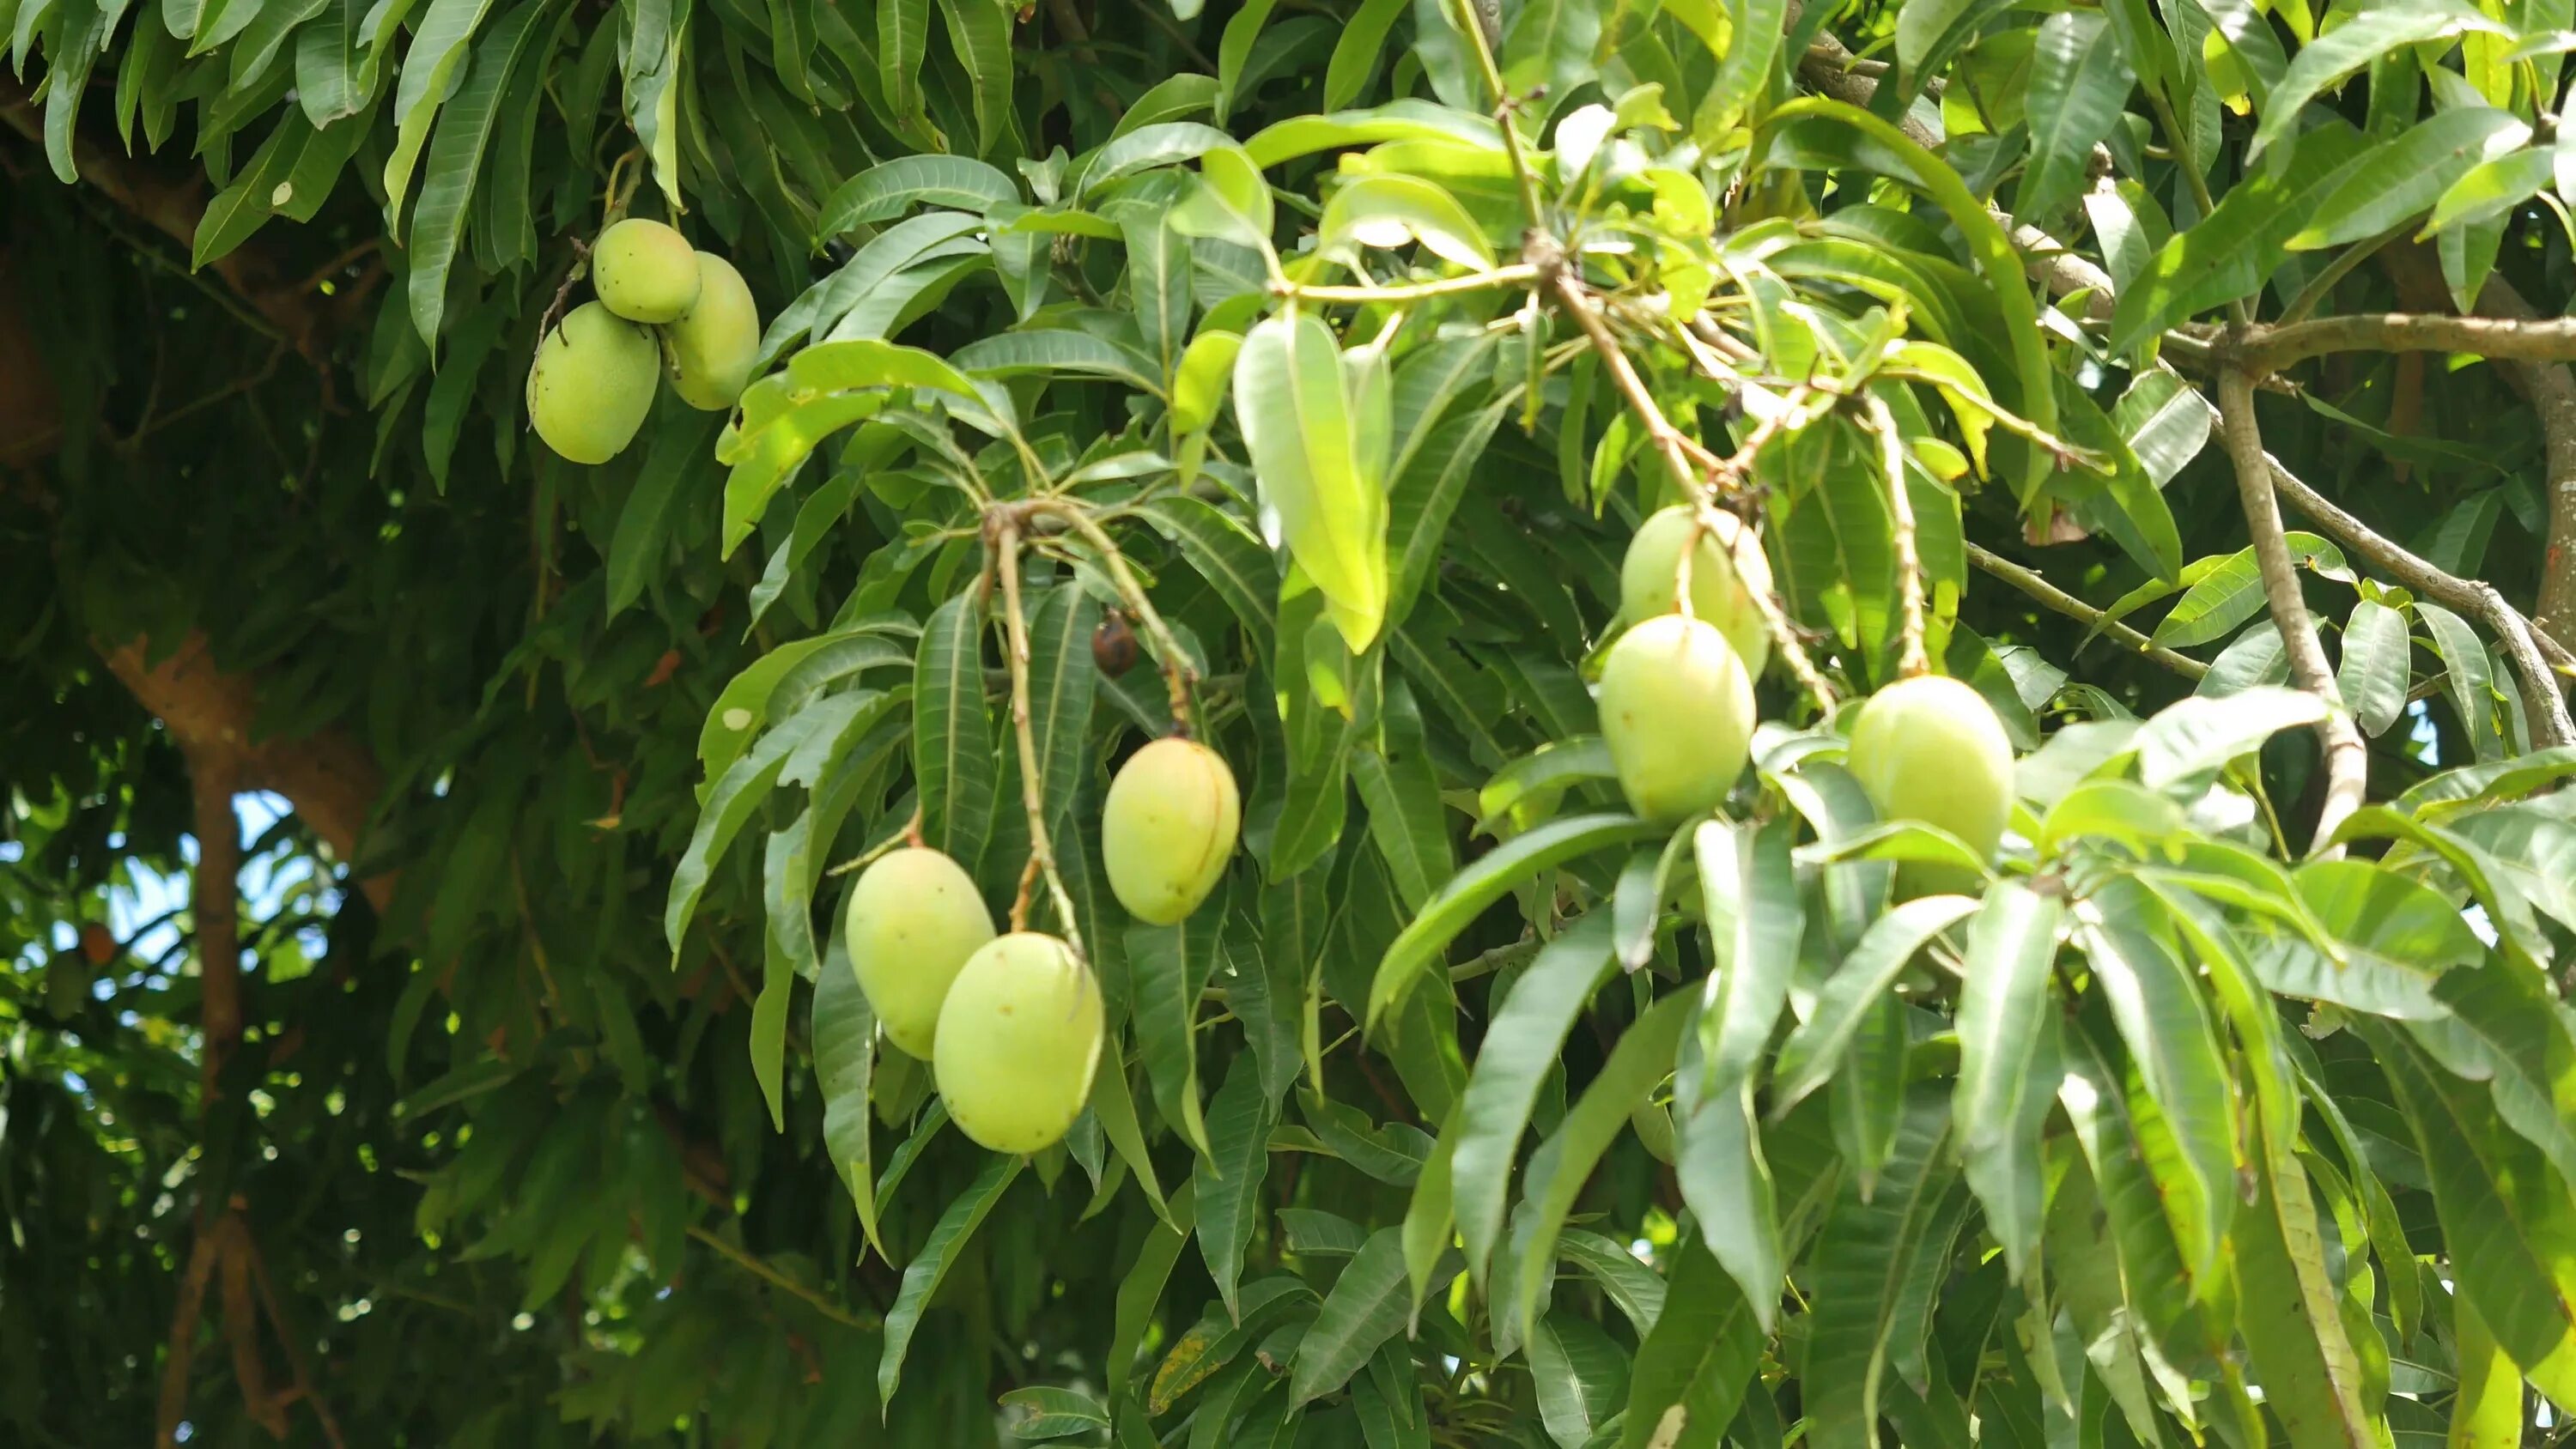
(591, 385)
(913, 919)
(1931, 749)
(710, 347)
(1677, 713)
(1019, 1038)
(1168, 828)
(644, 271)
(1650, 575)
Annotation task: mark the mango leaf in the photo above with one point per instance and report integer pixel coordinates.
(1864, 1255)
(2078, 80)
(1367, 1307)
(2491, 188)
(1170, 967)
(456, 160)
(2364, 37)
(1485, 881)
(938, 1253)
(2006, 1048)
(889, 189)
(1564, 1162)
(1693, 1366)
(1228, 1182)
(1814, 1051)
(2195, 736)
(2410, 173)
(952, 732)
(1319, 446)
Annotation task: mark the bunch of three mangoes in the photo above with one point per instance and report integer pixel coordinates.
(1677, 698)
(1011, 1024)
(664, 307)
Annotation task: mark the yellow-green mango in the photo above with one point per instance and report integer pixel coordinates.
(710, 347)
(1721, 580)
(1168, 828)
(1677, 713)
(1930, 749)
(913, 919)
(644, 271)
(1019, 1038)
(591, 384)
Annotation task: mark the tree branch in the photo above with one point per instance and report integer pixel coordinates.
(2270, 349)
(2522, 639)
(329, 778)
(2053, 597)
(2347, 758)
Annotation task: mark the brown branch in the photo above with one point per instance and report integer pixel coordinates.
(328, 777)
(2270, 349)
(2347, 756)
(2552, 390)
(2057, 599)
(2522, 639)
(182, 1352)
(1006, 533)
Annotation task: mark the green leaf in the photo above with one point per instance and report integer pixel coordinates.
(1322, 462)
(2195, 736)
(952, 732)
(1486, 880)
(1550, 43)
(1521, 1045)
(1579, 1374)
(2229, 253)
(644, 523)
(2231, 592)
(1728, 1187)
(1171, 966)
(783, 679)
(2410, 173)
(1357, 53)
(980, 31)
(437, 48)
(1814, 1052)
(1564, 1162)
(889, 189)
(1228, 1182)
(1693, 1365)
(1114, 1104)
(2165, 421)
(1368, 1306)
(734, 796)
(2364, 36)
(2375, 666)
(2156, 1002)
(2293, 1333)
(2488, 1412)
(1228, 557)
(2492, 188)
(1756, 29)
(903, 43)
(1749, 890)
(938, 1253)
(1392, 211)
(764, 461)
(1142, 1287)
(1048, 351)
(2078, 82)
(1402, 792)
(2006, 1044)
(1168, 99)
(1629, 1284)
(1044, 1413)
(1864, 1256)
(1062, 683)
(456, 160)
(2503, 1029)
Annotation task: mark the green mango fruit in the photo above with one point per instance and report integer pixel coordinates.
(709, 349)
(1677, 713)
(1019, 1038)
(1168, 828)
(591, 384)
(1930, 749)
(1723, 574)
(913, 919)
(644, 271)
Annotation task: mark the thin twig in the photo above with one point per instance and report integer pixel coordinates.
(2057, 599)
(1516, 274)
(2347, 756)
(1911, 661)
(1179, 672)
(1032, 783)
(752, 1264)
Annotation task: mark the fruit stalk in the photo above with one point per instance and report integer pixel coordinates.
(1178, 673)
(1911, 661)
(1702, 488)
(1032, 788)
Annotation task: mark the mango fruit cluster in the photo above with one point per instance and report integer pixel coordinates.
(1011, 1024)
(1677, 708)
(663, 309)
